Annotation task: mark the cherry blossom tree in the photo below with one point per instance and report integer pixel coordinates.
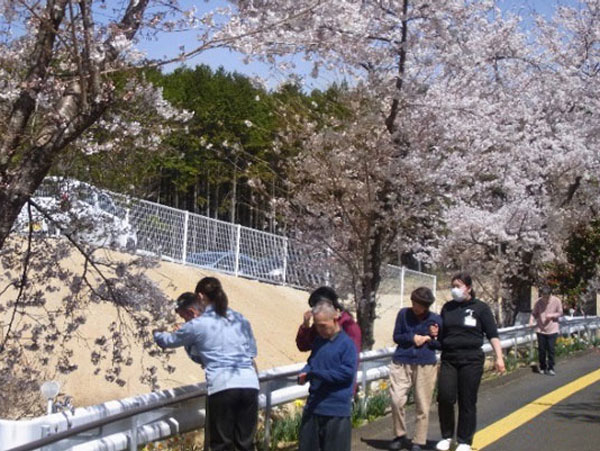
(511, 114)
(70, 79)
(382, 182)
(532, 179)
(348, 189)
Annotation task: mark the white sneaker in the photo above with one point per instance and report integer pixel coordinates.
(463, 447)
(444, 445)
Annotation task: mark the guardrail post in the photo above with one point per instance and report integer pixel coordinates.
(45, 433)
(531, 347)
(267, 438)
(588, 337)
(363, 384)
(133, 437)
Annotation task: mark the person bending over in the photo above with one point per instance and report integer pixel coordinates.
(221, 340)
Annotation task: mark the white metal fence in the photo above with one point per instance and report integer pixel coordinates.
(193, 239)
(221, 246)
(401, 281)
(128, 423)
(201, 241)
(234, 249)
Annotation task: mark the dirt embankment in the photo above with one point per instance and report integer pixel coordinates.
(275, 313)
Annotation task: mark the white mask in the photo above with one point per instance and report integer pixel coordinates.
(457, 294)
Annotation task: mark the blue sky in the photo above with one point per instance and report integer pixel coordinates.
(169, 44)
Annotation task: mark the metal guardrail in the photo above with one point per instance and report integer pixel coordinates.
(107, 420)
(277, 387)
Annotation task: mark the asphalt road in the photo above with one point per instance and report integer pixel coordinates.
(572, 423)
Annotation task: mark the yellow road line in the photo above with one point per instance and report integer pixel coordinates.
(519, 417)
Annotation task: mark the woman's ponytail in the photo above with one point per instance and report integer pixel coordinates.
(213, 290)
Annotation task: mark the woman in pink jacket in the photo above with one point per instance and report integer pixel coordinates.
(545, 315)
(307, 333)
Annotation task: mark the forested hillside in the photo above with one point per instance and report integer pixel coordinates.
(228, 161)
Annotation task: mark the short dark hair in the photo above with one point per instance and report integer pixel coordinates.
(423, 296)
(545, 289)
(186, 300)
(466, 279)
(324, 294)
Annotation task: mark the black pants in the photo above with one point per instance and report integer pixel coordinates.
(459, 379)
(324, 433)
(232, 417)
(546, 344)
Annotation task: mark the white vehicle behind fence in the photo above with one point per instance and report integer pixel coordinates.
(85, 212)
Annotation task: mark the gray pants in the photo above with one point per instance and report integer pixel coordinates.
(323, 433)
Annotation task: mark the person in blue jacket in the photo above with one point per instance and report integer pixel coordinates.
(221, 340)
(331, 372)
(414, 364)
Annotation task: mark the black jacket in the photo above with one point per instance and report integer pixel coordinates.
(465, 324)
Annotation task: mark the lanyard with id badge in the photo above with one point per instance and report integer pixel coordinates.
(470, 320)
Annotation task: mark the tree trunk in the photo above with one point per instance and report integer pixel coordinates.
(251, 221)
(370, 281)
(12, 200)
(590, 304)
(518, 288)
(518, 299)
(366, 312)
(232, 212)
(160, 184)
(195, 205)
(216, 200)
(273, 209)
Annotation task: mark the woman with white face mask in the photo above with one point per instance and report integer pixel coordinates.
(466, 320)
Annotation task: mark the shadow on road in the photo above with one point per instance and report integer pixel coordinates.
(376, 444)
(574, 412)
(384, 444)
